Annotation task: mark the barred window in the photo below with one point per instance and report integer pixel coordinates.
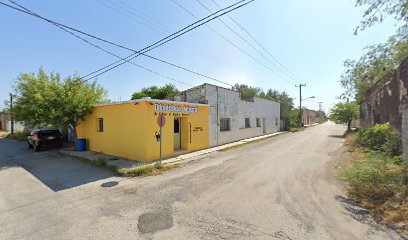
(258, 122)
(225, 124)
(247, 123)
(100, 125)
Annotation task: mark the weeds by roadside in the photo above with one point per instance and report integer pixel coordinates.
(20, 136)
(100, 161)
(376, 178)
(145, 170)
(296, 129)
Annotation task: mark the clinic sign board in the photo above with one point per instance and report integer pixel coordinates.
(174, 108)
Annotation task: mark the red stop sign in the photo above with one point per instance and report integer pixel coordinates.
(161, 120)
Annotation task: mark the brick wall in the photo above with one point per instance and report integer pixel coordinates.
(388, 102)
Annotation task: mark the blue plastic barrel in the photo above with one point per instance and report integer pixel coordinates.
(81, 145)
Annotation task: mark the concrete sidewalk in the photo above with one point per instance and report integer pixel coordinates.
(127, 163)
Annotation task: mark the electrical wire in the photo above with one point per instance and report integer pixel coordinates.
(62, 26)
(169, 38)
(257, 42)
(250, 45)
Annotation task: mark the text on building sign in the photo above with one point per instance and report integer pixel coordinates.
(172, 108)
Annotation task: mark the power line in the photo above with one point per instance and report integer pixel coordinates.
(96, 46)
(257, 42)
(62, 26)
(229, 41)
(146, 21)
(213, 30)
(249, 44)
(171, 37)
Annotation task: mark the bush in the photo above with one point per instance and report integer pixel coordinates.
(100, 161)
(376, 178)
(381, 138)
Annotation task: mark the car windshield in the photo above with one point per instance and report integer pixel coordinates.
(48, 133)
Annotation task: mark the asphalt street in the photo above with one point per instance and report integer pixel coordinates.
(284, 188)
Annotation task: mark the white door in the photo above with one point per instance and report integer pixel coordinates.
(177, 134)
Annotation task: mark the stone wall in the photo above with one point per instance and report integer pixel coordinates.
(388, 102)
(404, 133)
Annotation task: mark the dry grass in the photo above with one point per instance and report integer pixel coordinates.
(146, 170)
(296, 129)
(379, 183)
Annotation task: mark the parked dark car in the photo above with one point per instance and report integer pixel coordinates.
(40, 138)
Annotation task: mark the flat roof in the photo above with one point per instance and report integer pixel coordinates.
(150, 101)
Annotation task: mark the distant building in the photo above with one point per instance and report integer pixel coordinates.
(4, 119)
(308, 117)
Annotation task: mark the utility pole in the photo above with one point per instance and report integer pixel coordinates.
(300, 102)
(320, 106)
(11, 114)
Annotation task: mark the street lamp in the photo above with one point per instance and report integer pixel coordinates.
(308, 98)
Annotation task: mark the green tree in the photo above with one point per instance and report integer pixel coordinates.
(377, 65)
(247, 92)
(44, 100)
(377, 11)
(166, 92)
(345, 113)
(286, 104)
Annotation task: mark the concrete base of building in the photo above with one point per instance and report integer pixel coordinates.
(182, 158)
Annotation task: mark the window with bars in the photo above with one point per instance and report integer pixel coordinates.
(225, 124)
(247, 123)
(100, 124)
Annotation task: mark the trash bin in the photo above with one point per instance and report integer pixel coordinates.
(81, 145)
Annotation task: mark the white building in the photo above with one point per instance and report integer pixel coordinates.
(233, 119)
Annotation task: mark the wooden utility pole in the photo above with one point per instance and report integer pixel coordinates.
(300, 102)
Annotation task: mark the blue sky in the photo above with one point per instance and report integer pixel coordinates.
(310, 38)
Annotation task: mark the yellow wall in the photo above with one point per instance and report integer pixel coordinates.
(129, 130)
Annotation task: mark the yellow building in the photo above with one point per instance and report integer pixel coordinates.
(130, 129)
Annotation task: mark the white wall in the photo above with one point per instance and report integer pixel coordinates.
(225, 103)
(18, 126)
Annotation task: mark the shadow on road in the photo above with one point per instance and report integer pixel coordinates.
(362, 215)
(56, 171)
(336, 136)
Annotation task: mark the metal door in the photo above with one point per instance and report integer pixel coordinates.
(177, 133)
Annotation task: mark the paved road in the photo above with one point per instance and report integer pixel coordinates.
(280, 188)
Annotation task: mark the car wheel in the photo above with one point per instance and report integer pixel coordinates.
(36, 148)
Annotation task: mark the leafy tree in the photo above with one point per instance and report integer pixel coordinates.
(375, 66)
(43, 100)
(377, 10)
(286, 104)
(345, 113)
(247, 92)
(166, 92)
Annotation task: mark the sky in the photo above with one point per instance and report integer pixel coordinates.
(309, 38)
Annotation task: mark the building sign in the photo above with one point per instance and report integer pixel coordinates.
(173, 108)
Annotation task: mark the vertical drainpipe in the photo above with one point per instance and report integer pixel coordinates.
(218, 124)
